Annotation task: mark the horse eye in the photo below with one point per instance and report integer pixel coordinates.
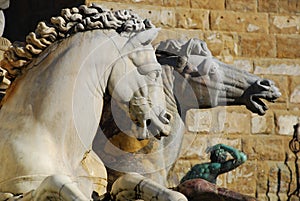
(213, 69)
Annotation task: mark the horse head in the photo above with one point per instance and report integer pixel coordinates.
(212, 82)
(136, 84)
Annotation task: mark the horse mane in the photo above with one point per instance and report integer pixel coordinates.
(183, 48)
(71, 20)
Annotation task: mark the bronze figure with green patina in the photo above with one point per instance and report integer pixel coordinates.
(218, 165)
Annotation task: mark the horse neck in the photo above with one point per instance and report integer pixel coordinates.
(168, 83)
(64, 88)
(173, 82)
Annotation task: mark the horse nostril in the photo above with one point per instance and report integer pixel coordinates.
(148, 122)
(168, 116)
(266, 83)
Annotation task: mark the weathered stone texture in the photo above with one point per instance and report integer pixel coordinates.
(258, 45)
(263, 148)
(277, 66)
(219, 43)
(208, 4)
(262, 124)
(192, 19)
(171, 3)
(294, 95)
(244, 64)
(285, 120)
(288, 46)
(206, 120)
(237, 122)
(233, 120)
(194, 147)
(284, 24)
(279, 6)
(241, 5)
(243, 178)
(175, 33)
(288, 7)
(238, 21)
(267, 6)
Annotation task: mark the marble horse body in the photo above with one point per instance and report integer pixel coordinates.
(192, 79)
(50, 113)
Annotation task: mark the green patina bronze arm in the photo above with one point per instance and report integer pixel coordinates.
(218, 165)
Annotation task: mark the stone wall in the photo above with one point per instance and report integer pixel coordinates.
(259, 36)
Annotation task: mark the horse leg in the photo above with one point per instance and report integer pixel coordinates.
(56, 187)
(133, 186)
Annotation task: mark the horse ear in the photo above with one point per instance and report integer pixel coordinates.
(141, 39)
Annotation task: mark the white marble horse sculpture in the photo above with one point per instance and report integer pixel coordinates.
(192, 79)
(50, 113)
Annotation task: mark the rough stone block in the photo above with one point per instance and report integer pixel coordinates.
(288, 46)
(172, 3)
(206, 120)
(145, 2)
(294, 95)
(194, 146)
(285, 121)
(263, 148)
(277, 67)
(243, 178)
(288, 7)
(175, 33)
(199, 120)
(262, 124)
(267, 6)
(284, 24)
(208, 4)
(192, 19)
(239, 21)
(244, 64)
(151, 13)
(218, 42)
(237, 121)
(258, 45)
(241, 5)
(167, 18)
(233, 120)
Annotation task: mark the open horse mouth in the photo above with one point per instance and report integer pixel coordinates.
(149, 120)
(154, 125)
(261, 89)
